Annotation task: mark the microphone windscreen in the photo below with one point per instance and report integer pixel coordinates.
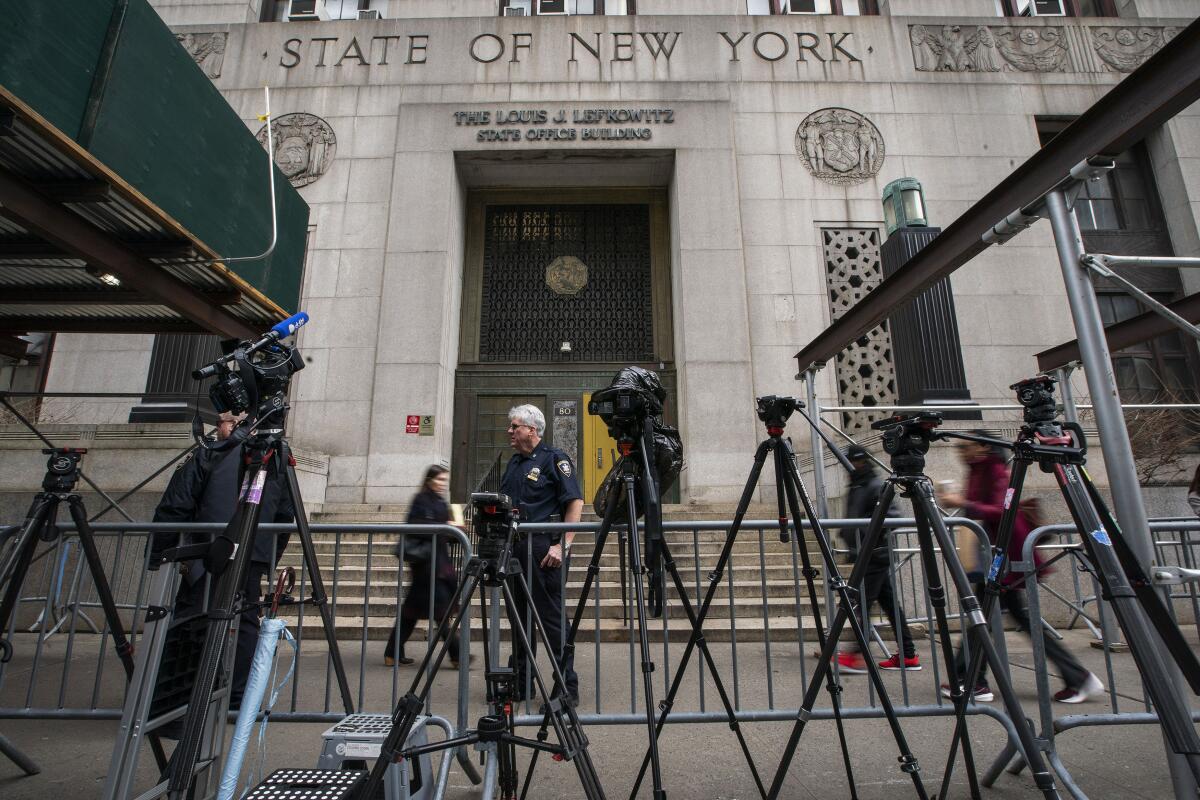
(290, 325)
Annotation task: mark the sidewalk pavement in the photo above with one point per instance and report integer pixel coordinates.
(699, 760)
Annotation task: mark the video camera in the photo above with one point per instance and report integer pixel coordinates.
(624, 405)
(493, 519)
(253, 377)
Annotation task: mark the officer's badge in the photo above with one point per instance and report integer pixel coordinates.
(564, 467)
(534, 474)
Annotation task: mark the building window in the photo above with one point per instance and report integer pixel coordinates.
(1056, 8)
(1155, 371)
(843, 7)
(526, 8)
(1120, 214)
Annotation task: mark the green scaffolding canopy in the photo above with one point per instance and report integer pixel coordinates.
(126, 179)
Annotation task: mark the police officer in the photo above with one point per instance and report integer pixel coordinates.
(542, 484)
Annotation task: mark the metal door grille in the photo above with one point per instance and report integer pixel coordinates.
(578, 274)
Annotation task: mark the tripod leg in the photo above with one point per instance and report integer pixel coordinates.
(593, 571)
(1152, 602)
(404, 716)
(991, 597)
(221, 614)
(635, 556)
(922, 499)
(714, 581)
(790, 486)
(958, 695)
(20, 557)
(10, 751)
(319, 597)
(569, 731)
(846, 614)
(1173, 712)
(87, 543)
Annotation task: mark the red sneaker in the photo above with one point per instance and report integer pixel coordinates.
(852, 663)
(897, 662)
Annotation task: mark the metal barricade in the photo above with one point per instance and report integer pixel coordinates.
(45, 678)
(760, 629)
(1175, 542)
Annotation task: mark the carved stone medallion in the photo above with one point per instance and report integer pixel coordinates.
(566, 275)
(840, 146)
(304, 146)
(1126, 49)
(206, 49)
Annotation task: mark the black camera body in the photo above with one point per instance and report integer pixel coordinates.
(633, 396)
(494, 521)
(1037, 396)
(270, 370)
(906, 438)
(62, 469)
(775, 410)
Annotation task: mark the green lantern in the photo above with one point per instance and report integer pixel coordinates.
(903, 205)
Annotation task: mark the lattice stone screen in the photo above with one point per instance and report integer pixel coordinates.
(866, 374)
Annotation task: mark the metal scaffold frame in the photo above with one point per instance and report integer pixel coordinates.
(1162, 87)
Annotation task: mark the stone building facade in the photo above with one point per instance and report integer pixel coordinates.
(509, 207)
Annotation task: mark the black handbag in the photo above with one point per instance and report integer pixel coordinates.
(416, 548)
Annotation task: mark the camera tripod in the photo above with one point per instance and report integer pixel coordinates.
(58, 486)
(637, 475)
(1059, 448)
(790, 494)
(495, 568)
(265, 454)
(906, 439)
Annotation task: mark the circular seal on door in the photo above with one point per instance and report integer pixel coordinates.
(304, 146)
(566, 275)
(840, 146)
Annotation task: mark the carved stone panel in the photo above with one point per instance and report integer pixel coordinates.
(1034, 48)
(206, 49)
(1030, 49)
(840, 146)
(953, 48)
(304, 146)
(866, 374)
(1126, 49)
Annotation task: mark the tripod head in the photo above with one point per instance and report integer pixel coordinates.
(1043, 429)
(62, 469)
(906, 438)
(1036, 394)
(775, 410)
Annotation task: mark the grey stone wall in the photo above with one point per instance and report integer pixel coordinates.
(384, 278)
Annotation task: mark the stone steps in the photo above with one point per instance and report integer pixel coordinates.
(756, 557)
(782, 629)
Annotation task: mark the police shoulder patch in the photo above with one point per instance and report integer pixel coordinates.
(564, 466)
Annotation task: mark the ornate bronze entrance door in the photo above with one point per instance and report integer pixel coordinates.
(556, 298)
(566, 284)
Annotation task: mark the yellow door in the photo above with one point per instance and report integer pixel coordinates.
(598, 453)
